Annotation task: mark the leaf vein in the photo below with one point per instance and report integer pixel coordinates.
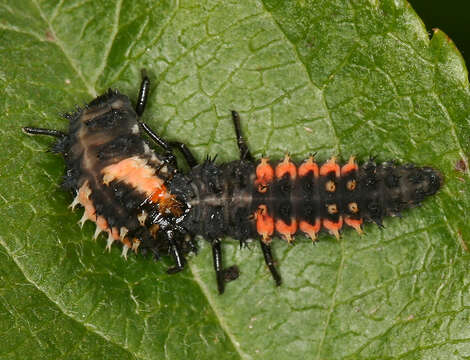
(58, 305)
(109, 43)
(91, 90)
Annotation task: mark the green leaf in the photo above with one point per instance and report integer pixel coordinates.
(338, 78)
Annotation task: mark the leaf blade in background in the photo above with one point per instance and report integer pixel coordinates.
(337, 78)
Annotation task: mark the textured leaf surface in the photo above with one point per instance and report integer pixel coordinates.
(333, 77)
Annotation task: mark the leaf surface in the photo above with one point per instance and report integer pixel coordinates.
(333, 77)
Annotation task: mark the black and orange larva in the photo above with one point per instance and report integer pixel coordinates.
(141, 199)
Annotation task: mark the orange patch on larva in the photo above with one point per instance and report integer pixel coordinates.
(135, 172)
(353, 207)
(330, 186)
(264, 223)
(286, 230)
(135, 244)
(286, 167)
(351, 184)
(264, 175)
(333, 227)
(354, 223)
(101, 223)
(307, 166)
(115, 233)
(126, 242)
(332, 209)
(330, 166)
(90, 212)
(84, 198)
(349, 166)
(309, 229)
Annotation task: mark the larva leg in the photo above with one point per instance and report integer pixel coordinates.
(139, 109)
(180, 261)
(219, 271)
(41, 131)
(143, 94)
(188, 156)
(168, 147)
(268, 258)
(245, 153)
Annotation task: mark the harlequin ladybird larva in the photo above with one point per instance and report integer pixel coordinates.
(142, 200)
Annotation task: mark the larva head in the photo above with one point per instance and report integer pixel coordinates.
(420, 183)
(388, 189)
(108, 115)
(408, 185)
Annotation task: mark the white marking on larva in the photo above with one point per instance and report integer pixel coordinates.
(142, 217)
(74, 203)
(164, 170)
(135, 245)
(110, 242)
(135, 129)
(82, 220)
(140, 161)
(107, 178)
(242, 198)
(98, 231)
(146, 149)
(123, 232)
(118, 104)
(125, 249)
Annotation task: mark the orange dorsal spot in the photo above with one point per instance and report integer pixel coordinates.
(264, 175)
(286, 230)
(170, 204)
(307, 166)
(158, 194)
(333, 227)
(264, 223)
(309, 229)
(139, 175)
(329, 167)
(349, 166)
(286, 167)
(354, 223)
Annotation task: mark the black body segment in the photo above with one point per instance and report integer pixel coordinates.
(220, 198)
(224, 198)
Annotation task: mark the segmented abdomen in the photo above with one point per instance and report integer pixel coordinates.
(264, 199)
